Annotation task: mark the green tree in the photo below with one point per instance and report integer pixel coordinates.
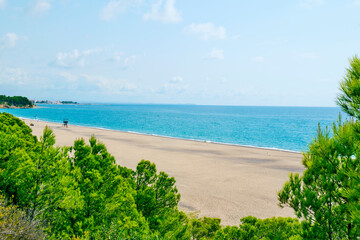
(252, 228)
(319, 195)
(349, 98)
(15, 223)
(17, 151)
(92, 195)
(157, 198)
(353, 194)
(75, 189)
(17, 101)
(270, 228)
(205, 228)
(349, 101)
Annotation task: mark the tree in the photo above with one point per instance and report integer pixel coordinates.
(15, 224)
(91, 195)
(157, 198)
(349, 101)
(17, 150)
(205, 228)
(75, 189)
(252, 228)
(319, 195)
(17, 101)
(349, 98)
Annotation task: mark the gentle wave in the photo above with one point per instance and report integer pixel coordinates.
(279, 128)
(187, 139)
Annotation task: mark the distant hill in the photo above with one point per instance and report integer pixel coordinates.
(15, 102)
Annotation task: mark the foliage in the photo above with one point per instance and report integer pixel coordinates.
(15, 224)
(17, 146)
(80, 189)
(327, 195)
(156, 195)
(270, 228)
(17, 101)
(74, 189)
(353, 194)
(316, 196)
(349, 101)
(349, 98)
(92, 194)
(205, 228)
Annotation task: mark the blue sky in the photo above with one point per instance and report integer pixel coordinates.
(280, 53)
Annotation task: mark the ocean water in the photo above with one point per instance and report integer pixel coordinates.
(287, 128)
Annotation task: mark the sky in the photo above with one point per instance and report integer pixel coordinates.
(209, 52)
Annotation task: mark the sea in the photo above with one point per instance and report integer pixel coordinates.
(284, 128)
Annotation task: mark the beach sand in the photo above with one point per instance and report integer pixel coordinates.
(217, 180)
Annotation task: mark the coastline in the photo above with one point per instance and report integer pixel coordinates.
(4, 106)
(216, 179)
(163, 136)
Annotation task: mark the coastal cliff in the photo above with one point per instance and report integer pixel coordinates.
(15, 102)
(2, 106)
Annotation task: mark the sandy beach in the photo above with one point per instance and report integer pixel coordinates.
(217, 180)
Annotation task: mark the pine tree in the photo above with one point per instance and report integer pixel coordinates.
(324, 195)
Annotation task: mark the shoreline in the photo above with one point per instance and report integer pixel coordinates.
(170, 137)
(215, 180)
(15, 107)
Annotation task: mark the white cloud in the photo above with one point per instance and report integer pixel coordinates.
(173, 86)
(311, 3)
(9, 40)
(115, 7)
(206, 31)
(130, 61)
(164, 11)
(176, 79)
(117, 57)
(110, 85)
(69, 77)
(215, 54)
(96, 84)
(13, 76)
(2, 3)
(258, 59)
(20, 80)
(126, 61)
(356, 2)
(40, 7)
(74, 58)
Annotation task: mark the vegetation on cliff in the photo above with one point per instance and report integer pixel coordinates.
(16, 101)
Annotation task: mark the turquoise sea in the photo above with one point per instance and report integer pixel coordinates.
(287, 128)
